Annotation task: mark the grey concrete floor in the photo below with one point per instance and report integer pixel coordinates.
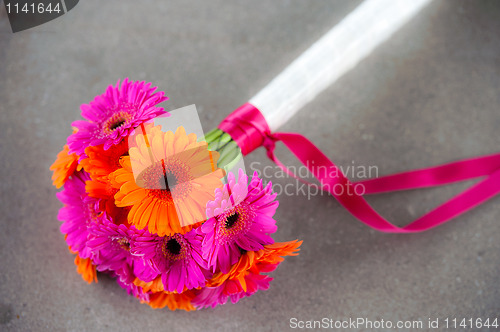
(429, 95)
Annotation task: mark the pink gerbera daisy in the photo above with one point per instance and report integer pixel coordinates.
(114, 114)
(79, 211)
(176, 258)
(240, 218)
(110, 247)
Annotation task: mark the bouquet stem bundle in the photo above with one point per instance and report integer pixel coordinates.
(228, 149)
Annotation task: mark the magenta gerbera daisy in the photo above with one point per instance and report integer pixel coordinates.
(114, 114)
(176, 258)
(79, 211)
(240, 218)
(110, 247)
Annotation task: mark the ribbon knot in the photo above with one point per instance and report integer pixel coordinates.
(269, 144)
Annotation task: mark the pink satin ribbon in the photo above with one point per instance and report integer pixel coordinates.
(248, 127)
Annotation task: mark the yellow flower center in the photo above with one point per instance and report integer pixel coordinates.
(123, 242)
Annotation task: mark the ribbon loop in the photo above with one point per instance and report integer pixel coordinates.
(247, 126)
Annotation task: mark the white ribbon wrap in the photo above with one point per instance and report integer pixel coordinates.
(349, 42)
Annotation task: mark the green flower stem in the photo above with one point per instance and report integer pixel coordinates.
(229, 151)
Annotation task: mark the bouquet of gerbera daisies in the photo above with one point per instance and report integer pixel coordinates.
(155, 210)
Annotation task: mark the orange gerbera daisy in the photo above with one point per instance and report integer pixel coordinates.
(98, 188)
(264, 260)
(65, 165)
(86, 269)
(172, 300)
(160, 298)
(100, 163)
(154, 286)
(167, 180)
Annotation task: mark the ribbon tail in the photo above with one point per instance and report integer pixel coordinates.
(332, 179)
(463, 202)
(434, 176)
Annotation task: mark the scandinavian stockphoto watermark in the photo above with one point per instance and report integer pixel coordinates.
(302, 176)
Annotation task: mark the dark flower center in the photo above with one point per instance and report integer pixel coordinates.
(116, 124)
(173, 247)
(115, 121)
(235, 222)
(231, 220)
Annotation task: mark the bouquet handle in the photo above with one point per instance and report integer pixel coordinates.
(339, 50)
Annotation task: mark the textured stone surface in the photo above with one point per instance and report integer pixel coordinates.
(429, 95)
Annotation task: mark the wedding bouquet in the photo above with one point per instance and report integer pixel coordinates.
(177, 235)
